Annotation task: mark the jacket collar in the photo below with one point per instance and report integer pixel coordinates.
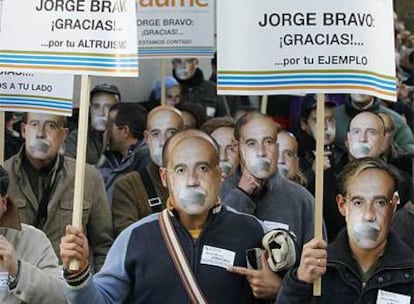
(396, 253)
(11, 218)
(352, 111)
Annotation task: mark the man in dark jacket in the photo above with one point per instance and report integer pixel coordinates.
(366, 263)
(139, 268)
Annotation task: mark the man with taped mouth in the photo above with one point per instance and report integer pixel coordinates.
(261, 190)
(366, 138)
(42, 183)
(140, 266)
(140, 192)
(366, 263)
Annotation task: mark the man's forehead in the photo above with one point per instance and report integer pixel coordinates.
(259, 127)
(223, 132)
(45, 117)
(164, 119)
(193, 149)
(287, 141)
(366, 119)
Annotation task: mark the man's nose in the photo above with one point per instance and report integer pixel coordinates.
(369, 213)
(261, 150)
(192, 179)
(223, 154)
(41, 132)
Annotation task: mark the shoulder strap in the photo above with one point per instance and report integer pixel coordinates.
(154, 201)
(180, 261)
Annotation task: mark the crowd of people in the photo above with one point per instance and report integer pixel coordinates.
(206, 199)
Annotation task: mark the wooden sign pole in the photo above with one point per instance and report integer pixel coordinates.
(263, 105)
(320, 125)
(163, 82)
(2, 130)
(81, 159)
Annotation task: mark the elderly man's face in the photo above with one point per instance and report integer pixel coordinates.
(161, 126)
(43, 134)
(193, 176)
(366, 135)
(288, 160)
(258, 147)
(100, 105)
(368, 208)
(229, 155)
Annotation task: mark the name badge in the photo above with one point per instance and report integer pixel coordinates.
(386, 297)
(3, 282)
(275, 225)
(210, 111)
(217, 257)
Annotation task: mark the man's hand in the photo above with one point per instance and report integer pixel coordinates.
(74, 245)
(248, 183)
(8, 258)
(264, 282)
(313, 261)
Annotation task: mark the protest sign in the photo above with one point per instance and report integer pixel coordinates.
(95, 37)
(27, 92)
(294, 47)
(175, 28)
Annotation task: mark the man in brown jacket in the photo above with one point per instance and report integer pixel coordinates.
(141, 193)
(42, 186)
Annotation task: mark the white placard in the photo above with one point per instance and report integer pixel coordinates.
(28, 92)
(175, 28)
(219, 257)
(94, 37)
(290, 47)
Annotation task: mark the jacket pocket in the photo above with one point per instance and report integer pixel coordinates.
(66, 212)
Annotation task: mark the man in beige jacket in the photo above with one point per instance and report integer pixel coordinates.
(42, 186)
(29, 271)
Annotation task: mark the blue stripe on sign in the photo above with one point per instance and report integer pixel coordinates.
(281, 77)
(8, 101)
(315, 82)
(69, 58)
(86, 64)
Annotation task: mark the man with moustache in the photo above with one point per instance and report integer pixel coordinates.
(366, 263)
(127, 148)
(261, 190)
(102, 98)
(139, 269)
(42, 186)
(141, 193)
(29, 271)
(357, 103)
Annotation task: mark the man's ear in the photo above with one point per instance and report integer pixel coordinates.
(163, 175)
(395, 200)
(303, 125)
(146, 137)
(65, 133)
(340, 201)
(23, 128)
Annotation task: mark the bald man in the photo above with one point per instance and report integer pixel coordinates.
(141, 193)
(139, 268)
